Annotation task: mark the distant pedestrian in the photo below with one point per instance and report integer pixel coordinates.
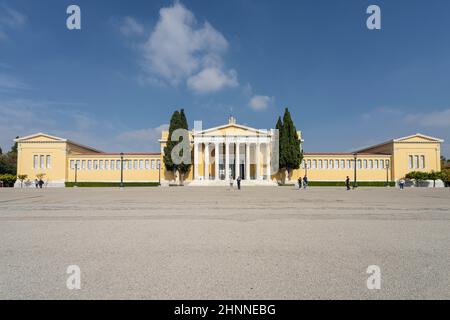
(238, 181)
(402, 183)
(299, 183)
(347, 183)
(231, 182)
(41, 183)
(305, 182)
(36, 183)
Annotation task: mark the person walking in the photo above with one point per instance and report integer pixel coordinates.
(305, 182)
(41, 183)
(36, 183)
(299, 183)
(238, 181)
(402, 183)
(347, 183)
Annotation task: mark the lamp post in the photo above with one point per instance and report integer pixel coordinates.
(76, 173)
(387, 174)
(355, 184)
(121, 170)
(159, 172)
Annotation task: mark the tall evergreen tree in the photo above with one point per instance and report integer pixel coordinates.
(290, 151)
(177, 121)
(183, 168)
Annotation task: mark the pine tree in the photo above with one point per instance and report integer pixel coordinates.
(290, 151)
(167, 159)
(177, 121)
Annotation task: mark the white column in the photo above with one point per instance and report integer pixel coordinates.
(258, 161)
(247, 161)
(216, 160)
(195, 161)
(268, 161)
(207, 161)
(227, 161)
(238, 165)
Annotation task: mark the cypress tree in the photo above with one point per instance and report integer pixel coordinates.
(183, 168)
(290, 152)
(174, 125)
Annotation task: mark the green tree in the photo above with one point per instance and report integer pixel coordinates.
(21, 178)
(433, 175)
(290, 152)
(8, 161)
(445, 176)
(177, 121)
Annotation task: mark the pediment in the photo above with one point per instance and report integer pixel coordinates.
(232, 129)
(40, 137)
(418, 137)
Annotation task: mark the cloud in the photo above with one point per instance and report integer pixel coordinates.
(211, 80)
(130, 27)
(10, 19)
(8, 82)
(179, 50)
(430, 119)
(259, 103)
(142, 136)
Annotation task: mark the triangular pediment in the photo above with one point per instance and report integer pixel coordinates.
(40, 137)
(232, 129)
(418, 137)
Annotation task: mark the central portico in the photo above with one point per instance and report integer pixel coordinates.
(230, 151)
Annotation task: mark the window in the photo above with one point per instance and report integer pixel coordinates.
(387, 163)
(72, 165)
(89, 164)
(135, 164)
(359, 164)
(112, 164)
(35, 162)
(118, 165)
(381, 164)
(370, 164)
(78, 164)
(141, 164)
(49, 162)
(106, 164)
(159, 164)
(375, 164)
(130, 164)
(147, 164)
(153, 165)
(303, 164)
(342, 164)
(100, 164)
(41, 162)
(309, 164)
(336, 164)
(349, 164)
(320, 164)
(416, 158)
(365, 164)
(83, 164)
(95, 164)
(410, 162)
(422, 162)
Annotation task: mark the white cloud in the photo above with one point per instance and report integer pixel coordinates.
(179, 50)
(10, 19)
(130, 27)
(259, 103)
(212, 79)
(148, 135)
(431, 119)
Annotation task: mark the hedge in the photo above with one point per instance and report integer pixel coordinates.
(342, 183)
(110, 184)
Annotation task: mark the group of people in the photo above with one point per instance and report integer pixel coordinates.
(302, 183)
(38, 183)
(238, 182)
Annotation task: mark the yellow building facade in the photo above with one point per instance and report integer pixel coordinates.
(219, 154)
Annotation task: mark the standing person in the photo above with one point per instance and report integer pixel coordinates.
(36, 183)
(347, 183)
(299, 183)
(41, 183)
(305, 182)
(402, 184)
(238, 181)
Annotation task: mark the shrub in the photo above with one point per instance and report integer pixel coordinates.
(8, 179)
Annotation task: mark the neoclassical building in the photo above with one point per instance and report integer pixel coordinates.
(219, 154)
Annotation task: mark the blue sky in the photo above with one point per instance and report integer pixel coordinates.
(114, 83)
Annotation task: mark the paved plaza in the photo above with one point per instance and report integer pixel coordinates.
(216, 243)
